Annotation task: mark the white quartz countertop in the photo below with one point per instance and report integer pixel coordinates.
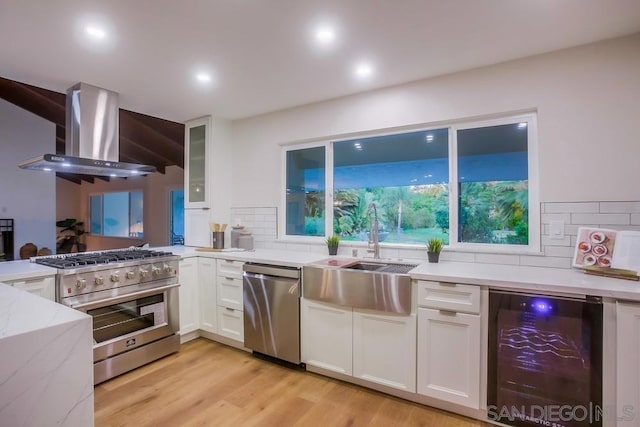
(521, 278)
(265, 256)
(23, 269)
(22, 312)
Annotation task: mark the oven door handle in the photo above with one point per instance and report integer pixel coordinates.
(120, 298)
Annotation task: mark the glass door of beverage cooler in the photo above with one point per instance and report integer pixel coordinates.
(545, 360)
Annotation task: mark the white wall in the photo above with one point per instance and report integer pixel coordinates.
(156, 204)
(587, 99)
(29, 197)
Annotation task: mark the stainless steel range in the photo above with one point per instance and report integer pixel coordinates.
(132, 296)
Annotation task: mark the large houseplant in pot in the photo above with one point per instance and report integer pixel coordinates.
(70, 236)
(434, 247)
(332, 244)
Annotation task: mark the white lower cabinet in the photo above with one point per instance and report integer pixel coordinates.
(208, 300)
(449, 358)
(628, 372)
(230, 299)
(189, 309)
(326, 335)
(384, 349)
(42, 286)
(231, 323)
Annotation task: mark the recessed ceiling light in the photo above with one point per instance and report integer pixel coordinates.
(95, 32)
(325, 35)
(363, 70)
(203, 77)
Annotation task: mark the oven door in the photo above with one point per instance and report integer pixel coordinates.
(126, 322)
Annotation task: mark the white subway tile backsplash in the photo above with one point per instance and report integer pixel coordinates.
(577, 207)
(572, 230)
(548, 241)
(559, 251)
(548, 217)
(497, 259)
(620, 207)
(545, 261)
(601, 219)
(458, 256)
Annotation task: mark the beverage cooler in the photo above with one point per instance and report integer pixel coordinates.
(545, 360)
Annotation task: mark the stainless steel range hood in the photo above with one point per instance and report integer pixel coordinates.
(91, 143)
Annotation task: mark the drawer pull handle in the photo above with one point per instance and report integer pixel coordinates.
(229, 309)
(448, 312)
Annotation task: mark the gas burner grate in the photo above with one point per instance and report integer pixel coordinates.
(94, 258)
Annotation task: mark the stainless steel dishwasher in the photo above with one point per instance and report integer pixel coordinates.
(272, 310)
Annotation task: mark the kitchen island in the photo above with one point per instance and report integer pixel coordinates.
(46, 374)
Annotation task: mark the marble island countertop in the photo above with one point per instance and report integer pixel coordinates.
(46, 375)
(23, 269)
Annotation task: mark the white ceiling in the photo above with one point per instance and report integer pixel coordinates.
(261, 52)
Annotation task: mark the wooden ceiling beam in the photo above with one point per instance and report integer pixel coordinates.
(142, 154)
(45, 103)
(141, 130)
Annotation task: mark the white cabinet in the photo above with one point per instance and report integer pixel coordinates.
(208, 301)
(326, 336)
(449, 356)
(196, 228)
(384, 349)
(196, 163)
(628, 372)
(189, 310)
(42, 286)
(231, 323)
(197, 185)
(449, 342)
(229, 299)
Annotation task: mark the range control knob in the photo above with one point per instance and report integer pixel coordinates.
(81, 284)
(130, 275)
(115, 277)
(155, 271)
(99, 281)
(166, 268)
(144, 273)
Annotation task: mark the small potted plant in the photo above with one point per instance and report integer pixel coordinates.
(434, 246)
(332, 244)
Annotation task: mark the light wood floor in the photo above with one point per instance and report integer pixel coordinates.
(210, 384)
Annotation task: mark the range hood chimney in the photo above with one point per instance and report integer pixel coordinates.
(91, 143)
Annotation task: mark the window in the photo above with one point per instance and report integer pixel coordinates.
(471, 184)
(405, 175)
(117, 214)
(305, 198)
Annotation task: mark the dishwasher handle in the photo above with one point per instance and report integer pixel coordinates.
(271, 270)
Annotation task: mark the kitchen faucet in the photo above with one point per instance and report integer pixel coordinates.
(373, 231)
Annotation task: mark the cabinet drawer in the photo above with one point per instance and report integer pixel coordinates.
(449, 296)
(229, 292)
(231, 323)
(228, 268)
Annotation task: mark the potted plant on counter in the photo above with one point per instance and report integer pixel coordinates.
(434, 246)
(332, 244)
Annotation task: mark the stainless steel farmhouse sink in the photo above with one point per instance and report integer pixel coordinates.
(373, 285)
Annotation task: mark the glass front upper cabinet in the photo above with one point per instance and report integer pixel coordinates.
(196, 147)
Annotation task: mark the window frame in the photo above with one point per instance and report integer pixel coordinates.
(102, 193)
(453, 126)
